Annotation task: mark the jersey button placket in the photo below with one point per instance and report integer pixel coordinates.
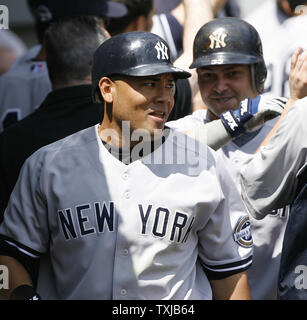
(125, 177)
(123, 292)
(123, 253)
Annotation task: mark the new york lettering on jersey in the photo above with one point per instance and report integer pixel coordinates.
(100, 217)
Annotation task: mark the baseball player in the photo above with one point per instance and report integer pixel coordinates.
(275, 176)
(230, 66)
(56, 110)
(26, 84)
(100, 201)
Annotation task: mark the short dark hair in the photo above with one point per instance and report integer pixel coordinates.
(135, 8)
(70, 46)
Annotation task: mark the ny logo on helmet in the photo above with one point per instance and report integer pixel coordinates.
(217, 39)
(161, 51)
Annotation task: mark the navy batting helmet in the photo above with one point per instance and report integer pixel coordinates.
(133, 54)
(230, 41)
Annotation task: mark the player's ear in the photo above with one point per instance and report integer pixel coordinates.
(106, 88)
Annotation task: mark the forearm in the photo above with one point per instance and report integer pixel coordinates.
(235, 287)
(17, 276)
(250, 115)
(213, 134)
(197, 13)
(179, 14)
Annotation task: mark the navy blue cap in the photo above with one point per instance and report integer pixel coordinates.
(51, 10)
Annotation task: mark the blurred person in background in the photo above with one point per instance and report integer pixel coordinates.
(27, 83)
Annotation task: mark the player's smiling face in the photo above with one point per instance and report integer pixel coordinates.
(223, 87)
(145, 102)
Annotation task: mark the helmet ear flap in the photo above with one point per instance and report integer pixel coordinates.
(259, 74)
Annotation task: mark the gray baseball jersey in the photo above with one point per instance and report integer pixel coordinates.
(268, 233)
(23, 88)
(269, 180)
(146, 230)
(267, 20)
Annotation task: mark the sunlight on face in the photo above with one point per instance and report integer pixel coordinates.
(144, 102)
(223, 87)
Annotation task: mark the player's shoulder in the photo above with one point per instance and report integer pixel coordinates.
(201, 114)
(197, 118)
(182, 124)
(25, 68)
(26, 76)
(192, 148)
(77, 142)
(27, 56)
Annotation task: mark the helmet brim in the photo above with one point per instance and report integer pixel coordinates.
(220, 58)
(156, 69)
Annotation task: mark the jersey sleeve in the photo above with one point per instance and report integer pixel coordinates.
(226, 243)
(25, 222)
(269, 179)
